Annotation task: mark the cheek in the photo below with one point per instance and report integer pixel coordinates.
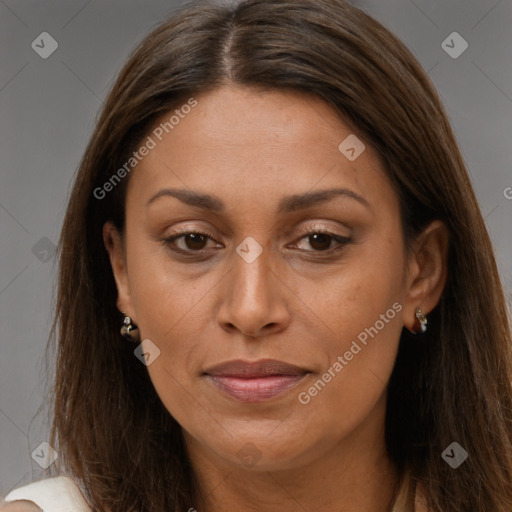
(171, 313)
(358, 293)
(161, 291)
(361, 306)
(169, 310)
(361, 356)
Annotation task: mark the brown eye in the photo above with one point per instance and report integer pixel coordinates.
(195, 241)
(320, 241)
(190, 242)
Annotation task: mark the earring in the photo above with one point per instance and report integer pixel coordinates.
(422, 319)
(130, 331)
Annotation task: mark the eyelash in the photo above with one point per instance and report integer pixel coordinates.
(341, 240)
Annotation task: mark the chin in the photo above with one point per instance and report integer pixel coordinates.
(265, 452)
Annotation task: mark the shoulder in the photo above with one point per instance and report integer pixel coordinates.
(56, 494)
(19, 506)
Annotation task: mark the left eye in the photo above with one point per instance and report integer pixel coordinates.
(322, 241)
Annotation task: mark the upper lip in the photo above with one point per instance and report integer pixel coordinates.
(253, 369)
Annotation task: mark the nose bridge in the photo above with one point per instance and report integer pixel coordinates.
(253, 300)
(251, 278)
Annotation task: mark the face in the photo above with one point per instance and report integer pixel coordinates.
(252, 238)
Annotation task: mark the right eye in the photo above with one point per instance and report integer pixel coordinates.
(188, 242)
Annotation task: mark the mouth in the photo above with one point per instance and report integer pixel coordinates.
(256, 381)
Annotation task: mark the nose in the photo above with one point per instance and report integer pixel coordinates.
(254, 300)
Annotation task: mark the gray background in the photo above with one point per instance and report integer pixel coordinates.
(47, 111)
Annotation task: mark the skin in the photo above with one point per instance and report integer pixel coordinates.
(293, 303)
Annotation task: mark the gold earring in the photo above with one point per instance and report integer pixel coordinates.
(421, 320)
(130, 331)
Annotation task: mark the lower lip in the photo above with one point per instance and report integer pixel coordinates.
(255, 389)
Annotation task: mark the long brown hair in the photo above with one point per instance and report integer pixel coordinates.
(452, 384)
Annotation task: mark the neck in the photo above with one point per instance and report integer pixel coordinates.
(355, 474)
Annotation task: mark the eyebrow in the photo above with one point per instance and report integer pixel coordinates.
(302, 201)
(286, 205)
(205, 201)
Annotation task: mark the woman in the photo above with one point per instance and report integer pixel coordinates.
(274, 210)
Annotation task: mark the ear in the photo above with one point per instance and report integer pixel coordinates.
(427, 271)
(113, 241)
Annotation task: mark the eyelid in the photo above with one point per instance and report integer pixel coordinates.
(188, 230)
(320, 228)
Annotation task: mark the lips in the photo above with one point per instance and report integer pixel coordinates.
(255, 381)
(247, 369)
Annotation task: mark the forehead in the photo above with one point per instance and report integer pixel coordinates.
(242, 144)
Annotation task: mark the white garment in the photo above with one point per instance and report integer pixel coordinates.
(57, 494)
